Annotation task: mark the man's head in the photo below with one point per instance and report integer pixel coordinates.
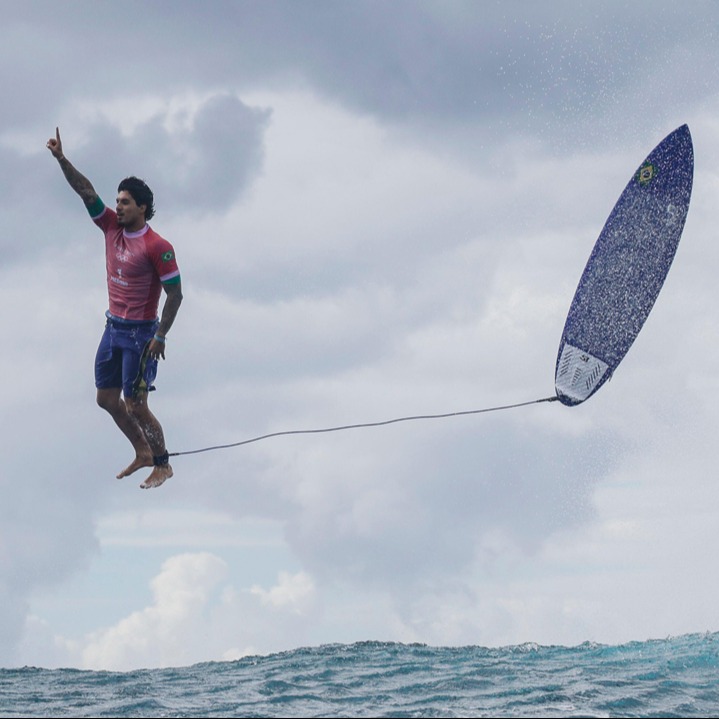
(141, 193)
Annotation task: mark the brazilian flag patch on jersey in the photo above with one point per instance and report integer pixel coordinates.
(167, 256)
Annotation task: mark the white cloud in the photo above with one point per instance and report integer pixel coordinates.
(291, 592)
(170, 630)
(195, 615)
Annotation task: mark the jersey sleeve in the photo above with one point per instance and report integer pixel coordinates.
(165, 263)
(102, 215)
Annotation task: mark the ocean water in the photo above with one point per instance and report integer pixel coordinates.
(674, 677)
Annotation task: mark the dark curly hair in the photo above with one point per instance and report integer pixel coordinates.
(141, 193)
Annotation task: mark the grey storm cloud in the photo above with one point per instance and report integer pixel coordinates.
(204, 167)
(503, 64)
(446, 488)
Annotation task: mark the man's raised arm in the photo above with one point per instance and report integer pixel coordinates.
(76, 179)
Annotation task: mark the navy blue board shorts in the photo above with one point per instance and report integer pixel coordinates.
(122, 359)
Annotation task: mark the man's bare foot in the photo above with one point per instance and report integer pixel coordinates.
(140, 462)
(157, 476)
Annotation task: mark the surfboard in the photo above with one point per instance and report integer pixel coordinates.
(626, 269)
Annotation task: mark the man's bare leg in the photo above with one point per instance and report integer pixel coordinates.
(111, 401)
(152, 430)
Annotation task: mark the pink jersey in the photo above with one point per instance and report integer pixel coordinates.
(138, 263)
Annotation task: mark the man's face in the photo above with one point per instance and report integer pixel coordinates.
(130, 215)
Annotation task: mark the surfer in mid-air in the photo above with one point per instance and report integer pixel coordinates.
(140, 264)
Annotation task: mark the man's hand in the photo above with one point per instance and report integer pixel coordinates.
(76, 179)
(156, 349)
(54, 144)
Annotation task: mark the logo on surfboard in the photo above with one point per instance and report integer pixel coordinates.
(646, 174)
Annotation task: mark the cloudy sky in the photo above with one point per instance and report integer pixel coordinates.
(380, 209)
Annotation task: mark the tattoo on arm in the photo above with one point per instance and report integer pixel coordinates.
(172, 305)
(78, 181)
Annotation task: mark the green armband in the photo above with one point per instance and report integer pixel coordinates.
(96, 208)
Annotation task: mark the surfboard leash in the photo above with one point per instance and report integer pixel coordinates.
(362, 425)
